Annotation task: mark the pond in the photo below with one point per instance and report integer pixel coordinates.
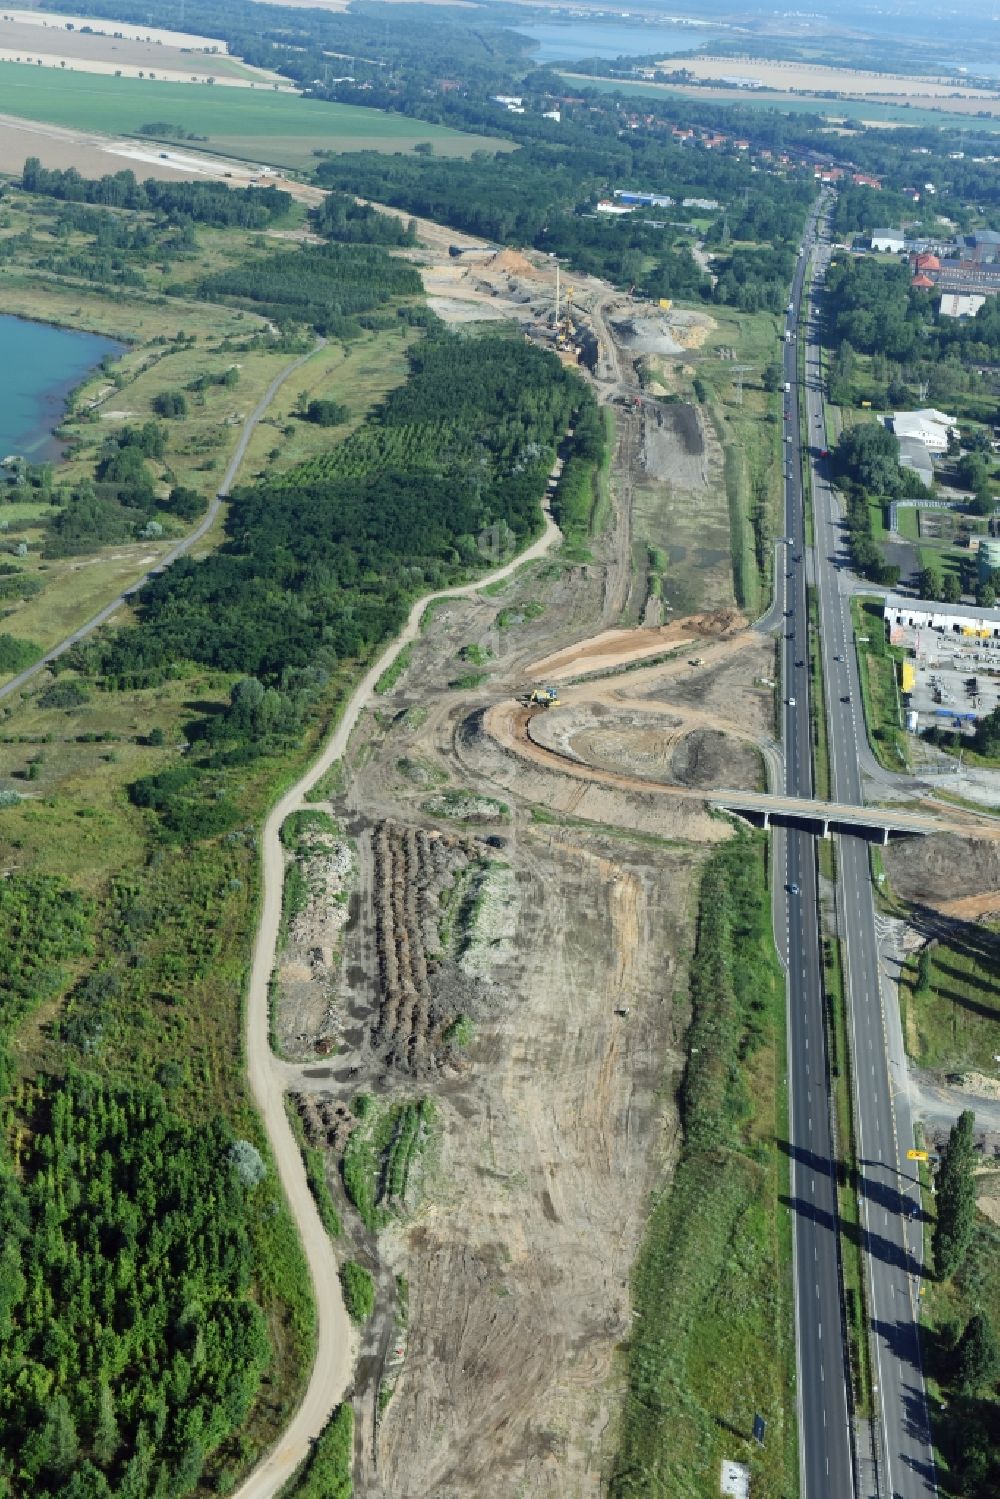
(39, 366)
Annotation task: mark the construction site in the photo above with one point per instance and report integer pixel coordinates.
(489, 979)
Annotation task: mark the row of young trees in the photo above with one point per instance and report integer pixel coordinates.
(330, 287)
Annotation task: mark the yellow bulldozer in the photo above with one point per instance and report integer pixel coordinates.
(544, 697)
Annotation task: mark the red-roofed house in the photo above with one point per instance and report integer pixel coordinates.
(921, 282)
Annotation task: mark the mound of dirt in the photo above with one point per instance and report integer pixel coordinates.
(706, 758)
(647, 335)
(511, 263)
(945, 871)
(690, 329)
(619, 647)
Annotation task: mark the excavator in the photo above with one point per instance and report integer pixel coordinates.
(544, 697)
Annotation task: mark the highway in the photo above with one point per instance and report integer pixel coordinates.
(180, 548)
(888, 1195)
(826, 1463)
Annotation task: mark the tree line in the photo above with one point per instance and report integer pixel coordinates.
(215, 203)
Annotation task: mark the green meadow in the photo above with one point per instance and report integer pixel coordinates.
(281, 129)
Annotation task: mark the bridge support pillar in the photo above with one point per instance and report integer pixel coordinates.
(826, 827)
(885, 836)
(767, 820)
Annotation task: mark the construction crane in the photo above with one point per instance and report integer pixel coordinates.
(544, 697)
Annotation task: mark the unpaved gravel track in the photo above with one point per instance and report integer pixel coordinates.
(331, 1371)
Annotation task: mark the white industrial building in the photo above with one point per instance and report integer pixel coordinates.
(956, 304)
(928, 426)
(890, 241)
(949, 619)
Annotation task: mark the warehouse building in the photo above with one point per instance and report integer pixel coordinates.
(959, 304)
(967, 620)
(927, 426)
(889, 241)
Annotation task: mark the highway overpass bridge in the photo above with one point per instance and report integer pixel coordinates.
(845, 817)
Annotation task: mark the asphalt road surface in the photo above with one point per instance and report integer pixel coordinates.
(825, 1446)
(184, 545)
(888, 1192)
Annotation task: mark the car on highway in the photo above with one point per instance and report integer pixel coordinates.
(838, 657)
(824, 452)
(800, 664)
(792, 888)
(790, 701)
(846, 698)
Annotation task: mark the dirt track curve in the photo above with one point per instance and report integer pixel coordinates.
(331, 1369)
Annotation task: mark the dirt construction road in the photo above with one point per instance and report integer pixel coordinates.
(331, 1370)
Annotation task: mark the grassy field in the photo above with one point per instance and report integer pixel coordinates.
(877, 662)
(713, 1337)
(749, 431)
(356, 375)
(951, 1002)
(258, 125)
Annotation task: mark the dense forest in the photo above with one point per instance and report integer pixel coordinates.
(215, 203)
(122, 1383)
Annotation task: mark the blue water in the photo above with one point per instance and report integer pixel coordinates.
(39, 366)
(570, 43)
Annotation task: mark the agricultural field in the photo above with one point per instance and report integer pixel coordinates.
(956, 114)
(54, 46)
(276, 128)
(815, 78)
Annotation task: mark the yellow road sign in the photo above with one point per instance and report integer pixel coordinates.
(916, 1155)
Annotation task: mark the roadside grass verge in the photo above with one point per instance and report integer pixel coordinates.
(851, 1256)
(817, 701)
(315, 1164)
(951, 1001)
(713, 1339)
(950, 1005)
(359, 1290)
(327, 1471)
(877, 668)
(394, 671)
(600, 517)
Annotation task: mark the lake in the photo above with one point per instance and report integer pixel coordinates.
(39, 366)
(578, 39)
